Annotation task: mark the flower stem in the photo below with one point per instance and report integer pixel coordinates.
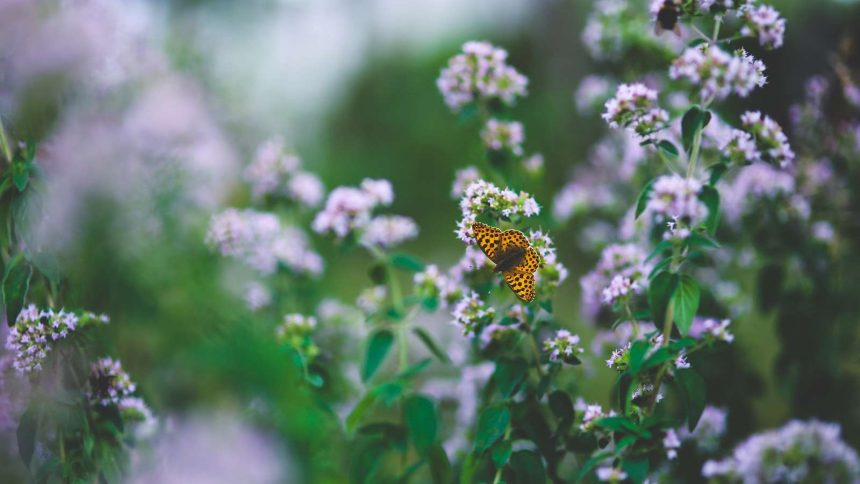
(4, 143)
(716, 36)
(694, 153)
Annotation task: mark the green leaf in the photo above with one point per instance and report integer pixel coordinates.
(26, 434)
(694, 120)
(561, 405)
(591, 463)
(415, 369)
(20, 174)
(546, 304)
(492, 424)
(685, 303)
(662, 355)
(377, 273)
(717, 171)
(500, 453)
(16, 285)
(668, 149)
(509, 374)
(636, 356)
(360, 409)
(660, 292)
(711, 198)
(619, 423)
(636, 469)
(419, 415)
(642, 200)
(699, 240)
(377, 349)
(528, 467)
(440, 466)
(315, 380)
(431, 345)
(693, 394)
(661, 247)
(407, 261)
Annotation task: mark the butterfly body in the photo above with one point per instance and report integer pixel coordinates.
(509, 258)
(514, 257)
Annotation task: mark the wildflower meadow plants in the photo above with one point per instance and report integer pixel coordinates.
(473, 369)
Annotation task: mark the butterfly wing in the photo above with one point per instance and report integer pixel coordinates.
(489, 239)
(531, 262)
(531, 259)
(522, 283)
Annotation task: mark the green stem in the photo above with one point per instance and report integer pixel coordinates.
(396, 302)
(716, 36)
(632, 319)
(536, 352)
(694, 153)
(4, 143)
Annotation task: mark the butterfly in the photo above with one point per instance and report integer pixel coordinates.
(514, 257)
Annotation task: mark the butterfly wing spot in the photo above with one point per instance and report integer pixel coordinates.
(514, 238)
(523, 284)
(488, 238)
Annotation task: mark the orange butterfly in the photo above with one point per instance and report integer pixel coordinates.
(514, 257)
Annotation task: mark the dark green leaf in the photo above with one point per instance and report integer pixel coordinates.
(694, 120)
(26, 433)
(660, 267)
(636, 469)
(685, 303)
(419, 414)
(377, 273)
(711, 198)
(492, 424)
(660, 292)
(360, 409)
(561, 405)
(693, 393)
(546, 304)
(668, 149)
(315, 380)
(408, 262)
(16, 285)
(717, 172)
(636, 356)
(509, 374)
(440, 466)
(20, 174)
(642, 200)
(591, 463)
(500, 453)
(619, 423)
(431, 345)
(377, 349)
(698, 240)
(662, 355)
(663, 246)
(415, 369)
(389, 392)
(528, 467)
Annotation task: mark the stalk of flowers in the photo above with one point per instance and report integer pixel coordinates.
(499, 136)
(480, 75)
(563, 347)
(108, 384)
(36, 332)
(296, 331)
(624, 261)
(276, 173)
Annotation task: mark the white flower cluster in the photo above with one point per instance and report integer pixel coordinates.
(471, 312)
(709, 430)
(771, 144)
(259, 240)
(626, 260)
(593, 91)
(432, 283)
(108, 384)
(759, 181)
(388, 231)
(552, 272)
(764, 22)
(563, 347)
(349, 209)
(480, 73)
(671, 444)
(462, 179)
(370, 300)
(717, 72)
(610, 474)
(504, 135)
(276, 172)
(810, 451)
(33, 335)
(257, 296)
(482, 196)
(674, 197)
(295, 323)
(712, 329)
(590, 413)
(633, 107)
(619, 288)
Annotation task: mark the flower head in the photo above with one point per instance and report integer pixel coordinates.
(770, 141)
(471, 313)
(349, 208)
(480, 73)
(676, 197)
(711, 329)
(482, 196)
(764, 22)
(108, 384)
(504, 136)
(718, 73)
(388, 231)
(626, 260)
(633, 107)
(35, 332)
(563, 347)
